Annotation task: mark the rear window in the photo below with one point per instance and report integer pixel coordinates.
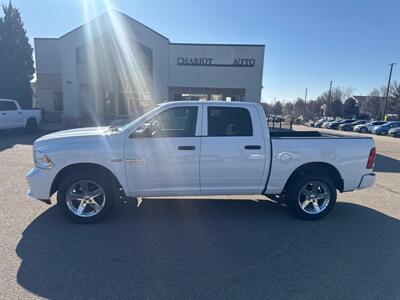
(229, 121)
(7, 105)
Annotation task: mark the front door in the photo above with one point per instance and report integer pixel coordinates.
(166, 161)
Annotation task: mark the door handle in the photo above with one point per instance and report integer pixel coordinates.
(186, 147)
(252, 147)
(20, 113)
(4, 113)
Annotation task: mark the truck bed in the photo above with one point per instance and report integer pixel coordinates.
(309, 134)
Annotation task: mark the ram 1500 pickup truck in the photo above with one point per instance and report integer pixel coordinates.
(12, 116)
(197, 148)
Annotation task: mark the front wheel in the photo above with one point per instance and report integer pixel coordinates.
(312, 197)
(363, 130)
(85, 197)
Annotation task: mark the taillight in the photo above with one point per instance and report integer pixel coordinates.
(371, 158)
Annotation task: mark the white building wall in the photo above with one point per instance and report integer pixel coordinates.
(113, 21)
(48, 70)
(208, 76)
(57, 64)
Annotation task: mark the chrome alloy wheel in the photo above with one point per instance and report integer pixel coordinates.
(314, 197)
(85, 198)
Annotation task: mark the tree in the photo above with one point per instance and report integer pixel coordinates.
(299, 107)
(288, 108)
(350, 108)
(16, 63)
(336, 108)
(267, 108)
(395, 100)
(277, 108)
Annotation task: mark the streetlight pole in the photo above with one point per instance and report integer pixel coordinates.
(329, 99)
(387, 91)
(305, 103)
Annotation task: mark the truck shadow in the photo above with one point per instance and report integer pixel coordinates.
(10, 138)
(386, 164)
(212, 249)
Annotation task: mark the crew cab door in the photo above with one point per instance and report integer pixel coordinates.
(10, 115)
(166, 161)
(233, 150)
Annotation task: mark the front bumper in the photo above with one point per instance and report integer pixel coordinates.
(367, 181)
(40, 182)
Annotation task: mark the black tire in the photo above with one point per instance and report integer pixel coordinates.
(383, 132)
(363, 130)
(294, 196)
(93, 178)
(31, 125)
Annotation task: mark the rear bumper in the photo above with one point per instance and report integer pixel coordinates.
(367, 181)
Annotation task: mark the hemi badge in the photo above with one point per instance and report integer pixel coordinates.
(116, 160)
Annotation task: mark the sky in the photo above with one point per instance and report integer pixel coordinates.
(308, 43)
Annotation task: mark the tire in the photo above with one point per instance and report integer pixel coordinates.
(383, 132)
(31, 125)
(363, 130)
(314, 184)
(78, 205)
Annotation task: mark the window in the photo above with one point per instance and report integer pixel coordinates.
(229, 121)
(175, 122)
(8, 105)
(58, 101)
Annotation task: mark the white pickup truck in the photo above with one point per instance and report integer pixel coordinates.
(197, 148)
(12, 116)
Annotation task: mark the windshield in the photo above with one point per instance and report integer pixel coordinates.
(128, 123)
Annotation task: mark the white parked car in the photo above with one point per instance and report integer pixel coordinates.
(365, 128)
(197, 148)
(12, 116)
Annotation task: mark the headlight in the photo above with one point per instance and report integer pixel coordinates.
(42, 160)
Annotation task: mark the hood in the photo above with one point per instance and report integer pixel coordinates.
(73, 134)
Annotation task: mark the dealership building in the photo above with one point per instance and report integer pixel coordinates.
(114, 66)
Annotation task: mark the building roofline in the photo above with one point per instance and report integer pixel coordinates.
(227, 45)
(120, 13)
(45, 38)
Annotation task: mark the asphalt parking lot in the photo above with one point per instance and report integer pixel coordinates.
(191, 249)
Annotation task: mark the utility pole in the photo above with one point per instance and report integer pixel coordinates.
(305, 103)
(329, 99)
(387, 91)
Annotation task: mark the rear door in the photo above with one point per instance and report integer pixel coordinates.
(233, 150)
(168, 161)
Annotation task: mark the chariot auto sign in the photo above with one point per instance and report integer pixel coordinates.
(209, 62)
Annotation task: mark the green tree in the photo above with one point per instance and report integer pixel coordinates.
(350, 108)
(277, 108)
(16, 63)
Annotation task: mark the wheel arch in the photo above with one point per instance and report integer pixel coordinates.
(29, 119)
(83, 166)
(322, 168)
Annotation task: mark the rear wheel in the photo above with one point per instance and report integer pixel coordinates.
(363, 130)
(311, 197)
(85, 197)
(31, 125)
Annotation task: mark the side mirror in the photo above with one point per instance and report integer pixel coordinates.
(144, 131)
